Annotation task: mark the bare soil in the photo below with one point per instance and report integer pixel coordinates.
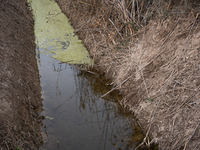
(19, 79)
(152, 57)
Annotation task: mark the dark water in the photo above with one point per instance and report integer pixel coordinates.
(77, 118)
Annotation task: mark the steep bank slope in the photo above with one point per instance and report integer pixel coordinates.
(155, 65)
(19, 78)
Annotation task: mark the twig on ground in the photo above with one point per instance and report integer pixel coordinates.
(6, 145)
(145, 84)
(191, 135)
(115, 28)
(117, 86)
(191, 96)
(84, 25)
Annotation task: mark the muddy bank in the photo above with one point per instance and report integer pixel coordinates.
(150, 50)
(19, 78)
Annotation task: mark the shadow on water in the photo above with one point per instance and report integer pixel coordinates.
(118, 126)
(76, 117)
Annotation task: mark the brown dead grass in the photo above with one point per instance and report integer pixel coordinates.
(150, 50)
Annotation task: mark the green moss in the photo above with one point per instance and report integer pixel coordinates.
(54, 34)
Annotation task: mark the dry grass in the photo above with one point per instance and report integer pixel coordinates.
(150, 50)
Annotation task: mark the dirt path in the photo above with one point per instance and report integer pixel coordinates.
(154, 65)
(19, 79)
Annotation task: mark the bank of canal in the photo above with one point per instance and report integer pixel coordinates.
(76, 117)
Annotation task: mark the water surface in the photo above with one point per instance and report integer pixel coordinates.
(76, 117)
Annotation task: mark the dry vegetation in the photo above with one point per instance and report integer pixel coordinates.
(151, 51)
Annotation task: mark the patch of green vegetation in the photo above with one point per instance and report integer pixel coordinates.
(151, 100)
(55, 36)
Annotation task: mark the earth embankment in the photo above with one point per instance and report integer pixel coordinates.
(19, 78)
(151, 52)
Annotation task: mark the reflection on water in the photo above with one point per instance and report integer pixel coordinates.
(76, 117)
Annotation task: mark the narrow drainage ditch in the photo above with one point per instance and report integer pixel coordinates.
(76, 117)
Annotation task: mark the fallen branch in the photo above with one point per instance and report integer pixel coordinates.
(191, 136)
(117, 86)
(115, 28)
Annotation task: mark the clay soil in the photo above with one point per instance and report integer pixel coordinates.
(20, 97)
(151, 51)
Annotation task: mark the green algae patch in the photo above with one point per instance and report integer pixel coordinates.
(54, 34)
